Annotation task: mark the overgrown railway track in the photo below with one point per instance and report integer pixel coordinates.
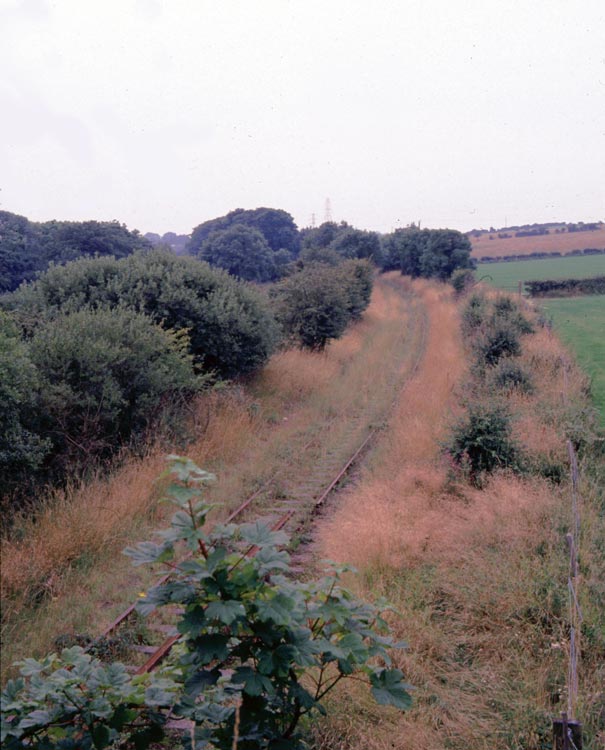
(287, 500)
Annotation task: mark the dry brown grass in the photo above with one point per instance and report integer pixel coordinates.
(548, 243)
(477, 575)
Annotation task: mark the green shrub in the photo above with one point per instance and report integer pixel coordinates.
(462, 279)
(506, 310)
(104, 377)
(22, 449)
(474, 314)
(358, 281)
(313, 305)
(508, 375)
(482, 442)
(230, 326)
(497, 341)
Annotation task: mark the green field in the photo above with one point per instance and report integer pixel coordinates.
(508, 275)
(580, 322)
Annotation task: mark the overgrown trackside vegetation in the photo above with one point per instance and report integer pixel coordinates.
(260, 651)
(109, 347)
(479, 575)
(61, 571)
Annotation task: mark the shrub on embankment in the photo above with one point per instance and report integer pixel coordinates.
(483, 441)
(109, 346)
(566, 287)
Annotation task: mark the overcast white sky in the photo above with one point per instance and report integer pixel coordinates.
(165, 113)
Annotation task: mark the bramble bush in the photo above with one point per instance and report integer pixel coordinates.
(259, 650)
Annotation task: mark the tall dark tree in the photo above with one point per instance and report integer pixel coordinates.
(428, 253)
(276, 226)
(27, 247)
(357, 243)
(242, 252)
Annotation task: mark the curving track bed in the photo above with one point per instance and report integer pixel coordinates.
(299, 484)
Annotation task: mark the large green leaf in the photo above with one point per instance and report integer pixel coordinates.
(225, 611)
(389, 689)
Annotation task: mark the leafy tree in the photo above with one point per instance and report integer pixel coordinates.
(241, 251)
(276, 226)
(27, 248)
(358, 281)
(427, 253)
(230, 326)
(312, 305)
(322, 236)
(105, 375)
(19, 253)
(356, 243)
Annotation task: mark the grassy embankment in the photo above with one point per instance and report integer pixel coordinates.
(546, 243)
(479, 576)
(63, 573)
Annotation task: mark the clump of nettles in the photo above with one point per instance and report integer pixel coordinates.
(259, 650)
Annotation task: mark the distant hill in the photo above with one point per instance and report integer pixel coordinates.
(557, 237)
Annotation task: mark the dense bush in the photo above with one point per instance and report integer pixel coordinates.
(22, 448)
(508, 375)
(427, 253)
(462, 279)
(230, 326)
(105, 374)
(312, 305)
(506, 310)
(358, 280)
(316, 302)
(497, 341)
(474, 314)
(276, 226)
(482, 442)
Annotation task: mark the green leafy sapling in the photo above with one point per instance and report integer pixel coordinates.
(261, 650)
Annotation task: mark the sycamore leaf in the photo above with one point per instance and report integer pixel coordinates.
(389, 689)
(148, 552)
(254, 683)
(201, 680)
(260, 535)
(225, 611)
